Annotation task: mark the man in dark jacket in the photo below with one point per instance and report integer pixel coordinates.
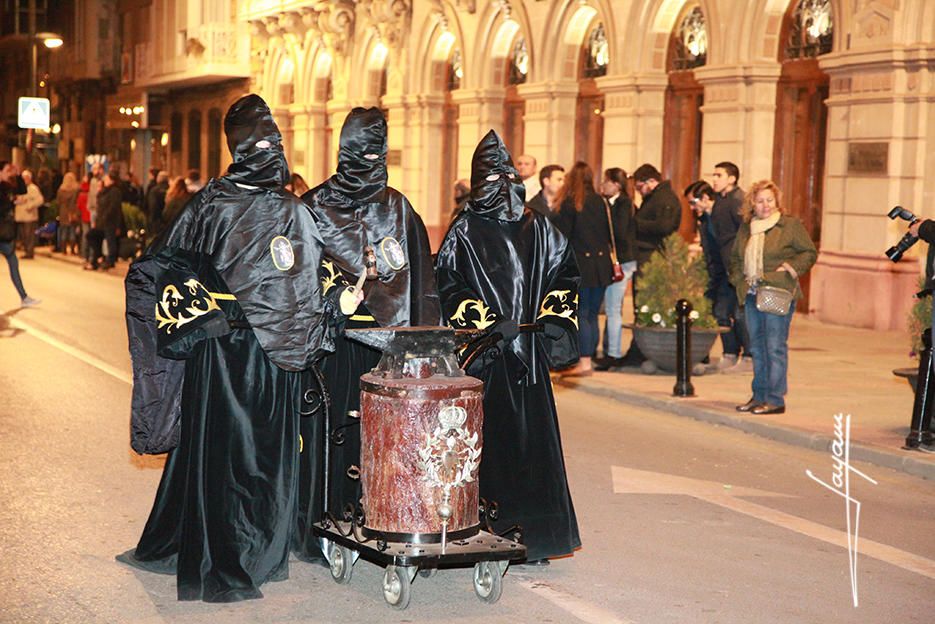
(657, 217)
(156, 204)
(108, 223)
(551, 178)
(726, 218)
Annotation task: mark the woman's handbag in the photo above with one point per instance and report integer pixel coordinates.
(618, 274)
(775, 300)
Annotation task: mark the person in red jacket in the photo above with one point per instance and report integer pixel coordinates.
(82, 203)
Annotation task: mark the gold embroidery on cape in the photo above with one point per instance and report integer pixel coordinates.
(171, 309)
(564, 309)
(330, 280)
(485, 317)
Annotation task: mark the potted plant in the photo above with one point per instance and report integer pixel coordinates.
(672, 274)
(920, 319)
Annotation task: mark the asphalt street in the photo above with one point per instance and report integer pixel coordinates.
(682, 521)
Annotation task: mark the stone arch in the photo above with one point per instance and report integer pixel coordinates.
(566, 28)
(760, 25)
(495, 35)
(434, 46)
(650, 24)
(371, 57)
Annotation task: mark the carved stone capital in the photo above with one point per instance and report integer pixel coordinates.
(292, 23)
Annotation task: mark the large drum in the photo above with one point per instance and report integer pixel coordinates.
(421, 437)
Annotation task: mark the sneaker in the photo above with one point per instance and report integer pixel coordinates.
(728, 360)
(29, 302)
(744, 365)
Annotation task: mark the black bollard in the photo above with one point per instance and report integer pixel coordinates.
(920, 430)
(683, 350)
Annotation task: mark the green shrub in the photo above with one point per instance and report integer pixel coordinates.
(672, 274)
(133, 216)
(920, 317)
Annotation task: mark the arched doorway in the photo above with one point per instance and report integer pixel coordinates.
(681, 134)
(454, 73)
(194, 139)
(214, 143)
(802, 116)
(514, 106)
(589, 120)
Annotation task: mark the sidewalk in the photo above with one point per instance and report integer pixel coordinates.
(120, 269)
(832, 370)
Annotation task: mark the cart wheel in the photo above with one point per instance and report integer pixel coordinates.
(396, 587)
(428, 572)
(488, 585)
(342, 564)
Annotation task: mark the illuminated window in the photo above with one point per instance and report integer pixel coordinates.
(811, 29)
(519, 62)
(691, 41)
(455, 70)
(597, 53)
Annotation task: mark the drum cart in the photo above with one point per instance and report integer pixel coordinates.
(446, 466)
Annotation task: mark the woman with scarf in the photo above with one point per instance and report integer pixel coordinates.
(69, 217)
(367, 226)
(771, 249)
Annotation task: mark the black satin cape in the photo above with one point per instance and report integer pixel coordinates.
(356, 209)
(223, 324)
(490, 269)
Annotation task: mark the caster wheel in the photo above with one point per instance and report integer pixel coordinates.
(396, 587)
(428, 572)
(342, 564)
(488, 584)
(649, 367)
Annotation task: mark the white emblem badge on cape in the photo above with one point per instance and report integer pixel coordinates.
(393, 253)
(281, 250)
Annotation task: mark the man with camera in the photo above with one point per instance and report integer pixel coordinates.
(925, 230)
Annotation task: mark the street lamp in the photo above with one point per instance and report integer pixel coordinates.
(50, 40)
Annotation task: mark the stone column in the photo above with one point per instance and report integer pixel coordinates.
(422, 161)
(550, 121)
(479, 110)
(299, 152)
(396, 140)
(880, 134)
(739, 117)
(633, 117)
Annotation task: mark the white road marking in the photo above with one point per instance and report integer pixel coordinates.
(584, 611)
(87, 358)
(630, 481)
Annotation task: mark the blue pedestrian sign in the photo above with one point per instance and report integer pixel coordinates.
(33, 113)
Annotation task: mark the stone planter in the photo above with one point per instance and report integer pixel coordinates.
(658, 344)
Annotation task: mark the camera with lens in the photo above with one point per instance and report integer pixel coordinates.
(895, 253)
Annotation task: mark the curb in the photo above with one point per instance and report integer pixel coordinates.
(901, 461)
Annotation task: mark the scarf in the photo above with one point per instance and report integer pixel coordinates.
(753, 254)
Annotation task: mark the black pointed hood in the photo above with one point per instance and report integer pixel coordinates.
(504, 197)
(361, 179)
(255, 144)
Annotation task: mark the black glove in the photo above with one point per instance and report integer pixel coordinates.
(553, 331)
(507, 328)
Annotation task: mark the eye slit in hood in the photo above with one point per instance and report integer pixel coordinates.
(496, 190)
(490, 157)
(247, 123)
(255, 144)
(361, 174)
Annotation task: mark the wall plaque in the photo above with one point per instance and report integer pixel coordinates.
(867, 157)
(394, 158)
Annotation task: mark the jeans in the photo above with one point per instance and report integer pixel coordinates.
(7, 251)
(769, 345)
(589, 304)
(725, 310)
(613, 305)
(27, 236)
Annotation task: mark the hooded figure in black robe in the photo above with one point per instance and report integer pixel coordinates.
(500, 266)
(225, 316)
(356, 211)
